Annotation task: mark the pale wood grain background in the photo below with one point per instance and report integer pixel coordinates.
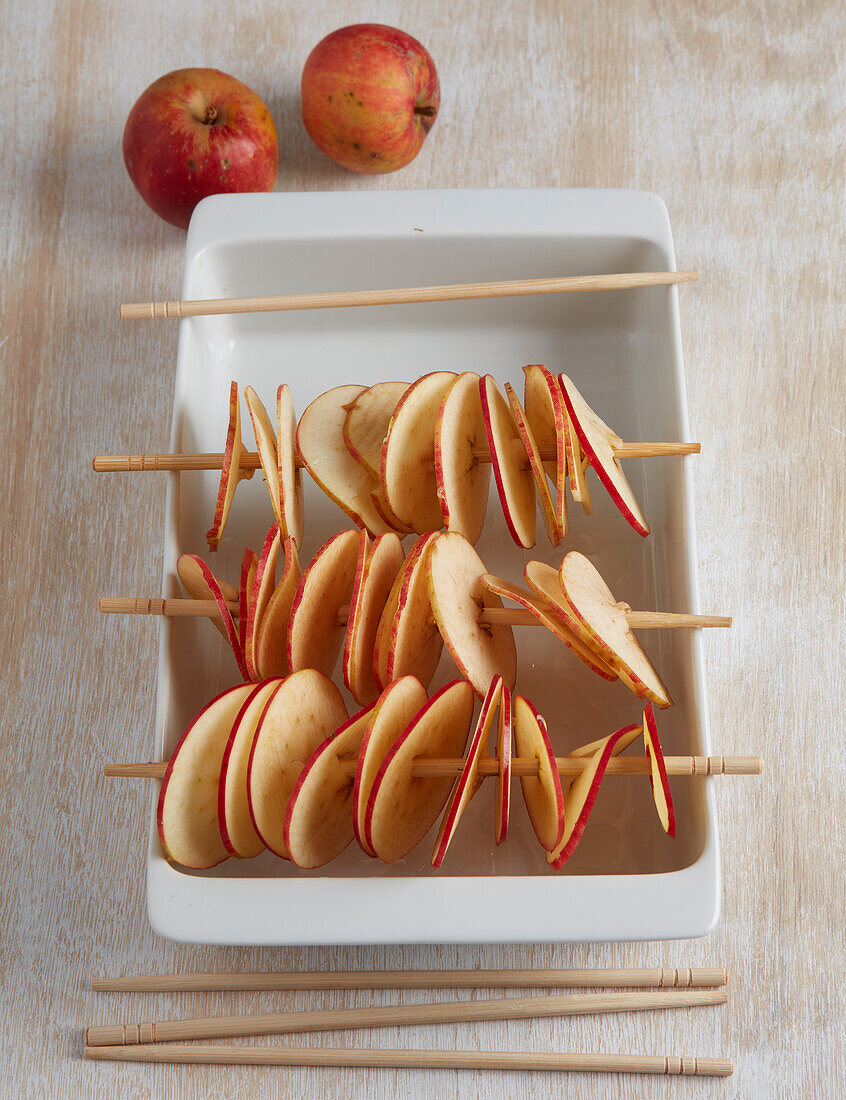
(734, 113)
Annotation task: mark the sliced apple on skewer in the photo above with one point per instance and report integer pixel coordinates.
(599, 442)
(463, 479)
(265, 438)
(503, 779)
(415, 644)
(230, 472)
(233, 807)
(591, 602)
(465, 785)
(543, 613)
(582, 792)
(193, 566)
(192, 572)
(408, 470)
(186, 815)
(318, 820)
(300, 714)
(271, 645)
(388, 717)
(658, 775)
(263, 586)
(366, 424)
(542, 793)
(515, 482)
(380, 570)
(315, 633)
(248, 572)
(402, 809)
(289, 476)
(548, 504)
(458, 597)
(354, 613)
(577, 464)
(320, 442)
(546, 418)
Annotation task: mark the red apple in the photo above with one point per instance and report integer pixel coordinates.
(370, 96)
(198, 132)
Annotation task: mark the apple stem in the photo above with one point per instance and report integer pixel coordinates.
(426, 112)
(210, 116)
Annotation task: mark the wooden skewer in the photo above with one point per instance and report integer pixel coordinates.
(444, 1012)
(512, 288)
(213, 460)
(222, 1055)
(184, 608)
(435, 768)
(660, 977)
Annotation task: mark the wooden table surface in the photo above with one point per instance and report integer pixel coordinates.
(733, 113)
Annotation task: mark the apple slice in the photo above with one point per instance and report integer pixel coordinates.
(320, 442)
(382, 645)
(318, 821)
(503, 779)
(577, 465)
(264, 584)
(271, 644)
(408, 470)
(415, 644)
(380, 570)
(354, 611)
(591, 602)
(248, 572)
(463, 479)
(187, 809)
(265, 438)
(192, 571)
(598, 442)
(389, 716)
(542, 793)
(546, 419)
(581, 795)
(548, 505)
(658, 775)
(198, 568)
(233, 807)
(315, 633)
(466, 785)
(291, 513)
(366, 424)
(554, 612)
(457, 596)
(230, 472)
(300, 714)
(515, 482)
(630, 735)
(402, 809)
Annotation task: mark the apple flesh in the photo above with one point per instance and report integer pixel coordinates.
(271, 645)
(198, 132)
(503, 779)
(291, 512)
(658, 773)
(548, 504)
(515, 482)
(379, 571)
(546, 418)
(463, 479)
(370, 95)
(230, 471)
(263, 587)
(192, 571)
(415, 644)
(542, 792)
(366, 424)
(315, 634)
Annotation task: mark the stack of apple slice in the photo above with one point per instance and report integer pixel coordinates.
(280, 765)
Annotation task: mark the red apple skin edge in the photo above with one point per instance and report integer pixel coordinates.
(484, 382)
(170, 764)
(250, 769)
(559, 793)
(505, 765)
(198, 132)
(652, 725)
(370, 95)
(579, 827)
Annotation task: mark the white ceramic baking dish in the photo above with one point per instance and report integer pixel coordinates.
(626, 880)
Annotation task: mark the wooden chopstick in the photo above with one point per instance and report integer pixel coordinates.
(659, 977)
(200, 1054)
(444, 1012)
(512, 288)
(213, 460)
(434, 768)
(179, 607)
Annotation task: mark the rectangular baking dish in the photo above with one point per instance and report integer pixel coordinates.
(627, 880)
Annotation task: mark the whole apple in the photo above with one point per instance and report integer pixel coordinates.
(198, 132)
(370, 96)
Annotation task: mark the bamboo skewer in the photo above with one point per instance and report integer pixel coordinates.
(435, 768)
(444, 1012)
(659, 977)
(222, 1055)
(185, 608)
(213, 460)
(512, 288)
